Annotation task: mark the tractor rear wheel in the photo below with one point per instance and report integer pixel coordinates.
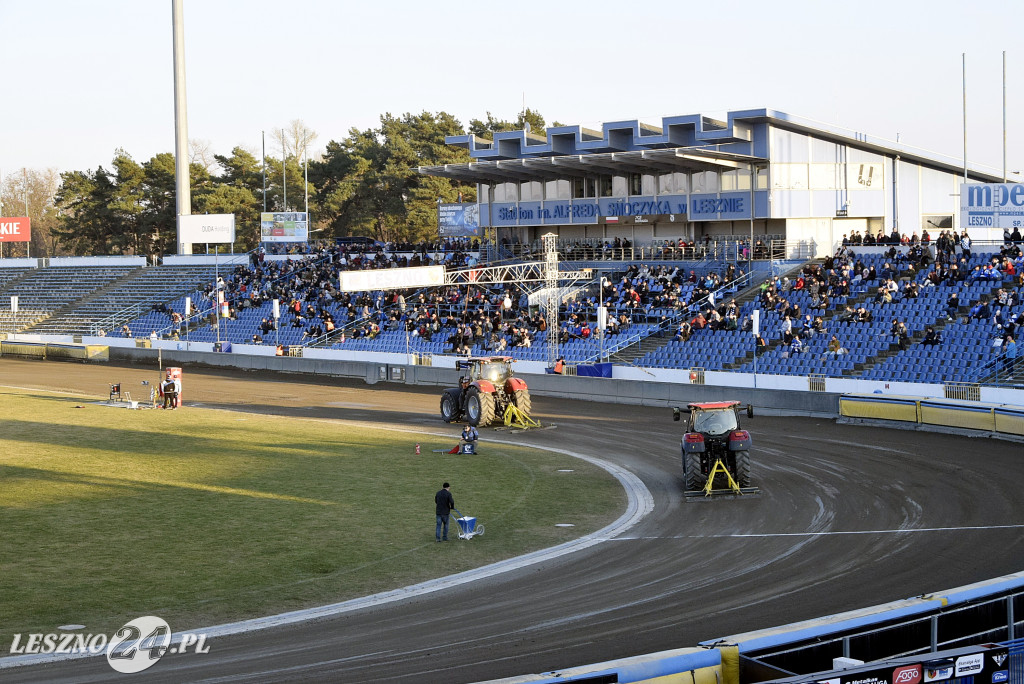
(742, 468)
(449, 408)
(486, 409)
(479, 408)
(695, 480)
(521, 398)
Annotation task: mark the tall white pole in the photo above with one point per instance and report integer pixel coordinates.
(28, 245)
(1004, 116)
(750, 247)
(217, 291)
(284, 175)
(305, 164)
(601, 313)
(181, 171)
(964, 55)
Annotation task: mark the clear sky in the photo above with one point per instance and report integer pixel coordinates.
(83, 78)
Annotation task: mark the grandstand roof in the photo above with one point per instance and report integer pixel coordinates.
(655, 161)
(681, 143)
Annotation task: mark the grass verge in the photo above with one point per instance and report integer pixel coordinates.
(204, 516)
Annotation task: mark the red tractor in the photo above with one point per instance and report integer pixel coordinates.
(715, 446)
(485, 392)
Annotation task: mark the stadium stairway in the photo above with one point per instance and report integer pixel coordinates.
(774, 343)
(874, 355)
(661, 336)
(58, 289)
(125, 299)
(66, 320)
(11, 278)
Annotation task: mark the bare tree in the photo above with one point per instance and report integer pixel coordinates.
(294, 139)
(36, 189)
(201, 152)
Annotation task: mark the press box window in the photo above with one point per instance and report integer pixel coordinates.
(584, 187)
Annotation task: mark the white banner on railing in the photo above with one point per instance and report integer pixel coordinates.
(391, 279)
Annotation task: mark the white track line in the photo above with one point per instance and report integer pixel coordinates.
(770, 535)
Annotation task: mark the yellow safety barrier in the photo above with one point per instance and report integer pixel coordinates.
(956, 415)
(969, 415)
(1009, 420)
(880, 407)
(50, 350)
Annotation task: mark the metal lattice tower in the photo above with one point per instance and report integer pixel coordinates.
(551, 284)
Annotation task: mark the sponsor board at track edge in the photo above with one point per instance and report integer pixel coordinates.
(938, 673)
(969, 665)
(911, 674)
(1000, 676)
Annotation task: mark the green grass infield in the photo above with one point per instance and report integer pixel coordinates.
(204, 516)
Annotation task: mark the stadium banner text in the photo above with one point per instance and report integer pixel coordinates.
(212, 229)
(284, 226)
(458, 220)
(720, 206)
(987, 208)
(391, 279)
(15, 229)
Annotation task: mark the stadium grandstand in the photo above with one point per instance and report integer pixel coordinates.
(763, 244)
(900, 313)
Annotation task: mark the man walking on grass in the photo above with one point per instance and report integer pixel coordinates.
(444, 503)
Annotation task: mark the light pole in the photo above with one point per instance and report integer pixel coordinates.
(277, 322)
(218, 295)
(28, 245)
(755, 319)
(750, 246)
(182, 194)
(602, 315)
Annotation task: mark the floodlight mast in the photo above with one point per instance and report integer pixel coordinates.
(181, 160)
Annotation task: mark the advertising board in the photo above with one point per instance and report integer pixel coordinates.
(458, 220)
(212, 229)
(284, 226)
(987, 208)
(15, 229)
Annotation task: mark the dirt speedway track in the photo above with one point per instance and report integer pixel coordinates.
(849, 517)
